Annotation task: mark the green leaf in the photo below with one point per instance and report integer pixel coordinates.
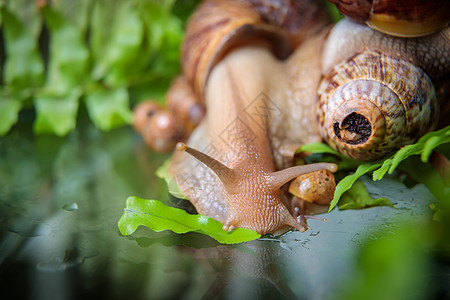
(158, 217)
(56, 114)
(9, 112)
(426, 174)
(173, 188)
(109, 108)
(346, 183)
(423, 147)
(317, 148)
(358, 197)
(24, 67)
(28, 15)
(69, 55)
(117, 36)
(76, 12)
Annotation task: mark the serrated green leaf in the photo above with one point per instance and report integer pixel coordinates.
(56, 114)
(76, 12)
(358, 197)
(28, 16)
(117, 36)
(158, 217)
(431, 144)
(109, 108)
(69, 55)
(346, 183)
(379, 174)
(9, 112)
(24, 67)
(173, 188)
(425, 146)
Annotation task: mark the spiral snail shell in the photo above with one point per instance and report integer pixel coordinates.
(405, 18)
(279, 25)
(367, 110)
(271, 82)
(317, 187)
(380, 93)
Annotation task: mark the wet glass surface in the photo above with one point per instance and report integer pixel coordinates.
(61, 199)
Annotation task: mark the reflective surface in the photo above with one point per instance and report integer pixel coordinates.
(61, 199)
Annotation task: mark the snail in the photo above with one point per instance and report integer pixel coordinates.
(271, 83)
(405, 18)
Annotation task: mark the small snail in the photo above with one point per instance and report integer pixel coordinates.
(159, 128)
(317, 187)
(271, 83)
(404, 18)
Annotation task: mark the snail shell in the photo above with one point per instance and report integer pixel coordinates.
(316, 187)
(184, 104)
(143, 112)
(405, 18)
(158, 127)
(372, 103)
(218, 26)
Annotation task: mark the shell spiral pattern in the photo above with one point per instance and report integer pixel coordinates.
(372, 103)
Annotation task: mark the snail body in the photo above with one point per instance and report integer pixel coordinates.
(236, 181)
(364, 92)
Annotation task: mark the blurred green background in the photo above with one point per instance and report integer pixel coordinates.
(101, 55)
(70, 72)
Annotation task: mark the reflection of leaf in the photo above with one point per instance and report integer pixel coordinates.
(109, 108)
(158, 217)
(358, 197)
(191, 240)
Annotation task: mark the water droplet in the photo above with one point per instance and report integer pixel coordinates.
(70, 207)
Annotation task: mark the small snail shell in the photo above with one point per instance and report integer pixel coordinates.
(143, 112)
(372, 103)
(162, 131)
(405, 18)
(184, 104)
(217, 26)
(158, 127)
(316, 187)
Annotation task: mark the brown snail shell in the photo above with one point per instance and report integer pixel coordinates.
(143, 112)
(184, 104)
(218, 26)
(316, 187)
(372, 103)
(404, 18)
(162, 131)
